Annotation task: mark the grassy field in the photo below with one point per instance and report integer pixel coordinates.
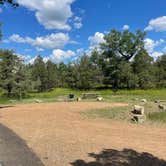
(132, 97)
(120, 96)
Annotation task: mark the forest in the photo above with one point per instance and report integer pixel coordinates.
(121, 62)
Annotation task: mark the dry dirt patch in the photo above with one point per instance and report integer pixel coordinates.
(59, 135)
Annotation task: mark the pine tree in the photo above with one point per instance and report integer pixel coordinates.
(12, 74)
(39, 74)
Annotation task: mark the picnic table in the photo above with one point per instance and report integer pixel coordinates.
(90, 96)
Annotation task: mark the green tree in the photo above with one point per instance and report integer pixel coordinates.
(62, 75)
(52, 75)
(71, 76)
(127, 77)
(85, 73)
(161, 71)
(144, 68)
(12, 74)
(119, 48)
(39, 74)
(125, 44)
(96, 60)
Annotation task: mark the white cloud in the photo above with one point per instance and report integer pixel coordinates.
(59, 55)
(96, 40)
(25, 58)
(164, 49)
(52, 41)
(77, 22)
(53, 14)
(158, 24)
(126, 27)
(78, 25)
(156, 54)
(32, 60)
(150, 44)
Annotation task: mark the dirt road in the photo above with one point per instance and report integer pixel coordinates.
(56, 134)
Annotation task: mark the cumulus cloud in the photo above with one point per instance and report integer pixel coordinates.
(96, 40)
(158, 24)
(53, 14)
(52, 41)
(59, 55)
(126, 27)
(150, 44)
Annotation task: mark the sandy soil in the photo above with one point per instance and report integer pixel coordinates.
(59, 136)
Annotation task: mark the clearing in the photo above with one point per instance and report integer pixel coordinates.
(57, 135)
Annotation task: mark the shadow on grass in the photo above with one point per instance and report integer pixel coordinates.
(14, 151)
(126, 157)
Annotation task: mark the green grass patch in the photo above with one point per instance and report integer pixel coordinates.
(125, 96)
(157, 117)
(116, 113)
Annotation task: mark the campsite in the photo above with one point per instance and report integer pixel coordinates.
(82, 84)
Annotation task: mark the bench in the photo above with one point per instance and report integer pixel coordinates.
(90, 96)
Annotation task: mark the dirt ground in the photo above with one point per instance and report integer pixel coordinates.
(59, 136)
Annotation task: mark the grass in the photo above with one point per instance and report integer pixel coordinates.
(157, 117)
(152, 112)
(116, 113)
(129, 96)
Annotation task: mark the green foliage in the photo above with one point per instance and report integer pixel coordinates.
(115, 58)
(52, 75)
(12, 74)
(125, 44)
(39, 74)
(85, 73)
(144, 69)
(161, 71)
(120, 63)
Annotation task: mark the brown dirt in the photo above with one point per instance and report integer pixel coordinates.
(59, 136)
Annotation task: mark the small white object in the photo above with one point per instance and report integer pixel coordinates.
(144, 100)
(138, 110)
(99, 98)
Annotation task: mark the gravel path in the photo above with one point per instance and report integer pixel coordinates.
(59, 136)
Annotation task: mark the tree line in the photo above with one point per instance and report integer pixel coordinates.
(121, 62)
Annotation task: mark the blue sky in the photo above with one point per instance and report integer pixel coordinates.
(61, 30)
